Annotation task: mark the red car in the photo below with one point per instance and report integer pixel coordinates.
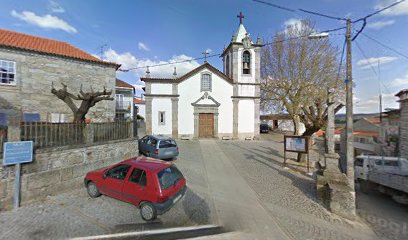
(151, 185)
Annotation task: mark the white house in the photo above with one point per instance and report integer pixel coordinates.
(124, 93)
(208, 103)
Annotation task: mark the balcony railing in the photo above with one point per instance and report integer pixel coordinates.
(123, 106)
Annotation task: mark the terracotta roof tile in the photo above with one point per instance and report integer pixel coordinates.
(366, 133)
(138, 101)
(373, 120)
(123, 84)
(27, 42)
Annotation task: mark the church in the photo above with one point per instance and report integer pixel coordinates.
(207, 102)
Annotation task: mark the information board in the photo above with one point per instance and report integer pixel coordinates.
(296, 144)
(17, 152)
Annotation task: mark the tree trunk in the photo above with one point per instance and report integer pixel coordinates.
(296, 125)
(301, 157)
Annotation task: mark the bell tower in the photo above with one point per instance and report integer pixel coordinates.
(242, 61)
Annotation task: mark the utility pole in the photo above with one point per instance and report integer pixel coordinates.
(349, 111)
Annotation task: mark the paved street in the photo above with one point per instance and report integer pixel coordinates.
(240, 185)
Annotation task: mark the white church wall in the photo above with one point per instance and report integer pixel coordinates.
(246, 90)
(189, 91)
(246, 121)
(161, 105)
(160, 88)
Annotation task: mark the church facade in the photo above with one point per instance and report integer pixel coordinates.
(208, 103)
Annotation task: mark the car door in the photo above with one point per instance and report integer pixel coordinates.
(142, 144)
(135, 186)
(113, 181)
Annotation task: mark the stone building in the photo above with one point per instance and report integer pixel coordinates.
(29, 65)
(208, 103)
(403, 140)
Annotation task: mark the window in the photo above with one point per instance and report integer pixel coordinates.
(227, 66)
(57, 117)
(118, 172)
(7, 72)
(167, 144)
(3, 120)
(359, 162)
(246, 62)
(205, 82)
(162, 118)
(169, 176)
(31, 117)
(138, 176)
(391, 163)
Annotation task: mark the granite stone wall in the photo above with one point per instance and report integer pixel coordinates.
(61, 169)
(35, 74)
(403, 141)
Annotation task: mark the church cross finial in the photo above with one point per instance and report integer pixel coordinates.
(205, 55)
(240, 16)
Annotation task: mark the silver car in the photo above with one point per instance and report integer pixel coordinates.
(157, 146)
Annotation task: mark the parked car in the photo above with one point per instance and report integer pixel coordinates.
(264, 128)
(151, 185)
(157, 146)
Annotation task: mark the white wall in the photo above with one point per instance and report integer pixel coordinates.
(142, 110)
(161, 88)
(158, 105)
(246, 116)
(246, 90)
(189, 91)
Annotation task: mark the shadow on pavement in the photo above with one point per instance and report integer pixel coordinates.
(307, 187)
(193, 210)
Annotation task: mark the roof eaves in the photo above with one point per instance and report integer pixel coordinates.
(117, 66)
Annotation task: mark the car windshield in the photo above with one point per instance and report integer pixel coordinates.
(167, 144)
(169, 176)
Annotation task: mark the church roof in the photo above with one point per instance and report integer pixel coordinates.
(239, 34)
(189, 74)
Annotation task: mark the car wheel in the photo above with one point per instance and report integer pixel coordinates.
(148, 211)
(92, 190)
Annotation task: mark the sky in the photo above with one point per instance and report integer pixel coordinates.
(148, 32)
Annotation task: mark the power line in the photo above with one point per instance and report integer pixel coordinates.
(385, 46)
(341, 60)
(379, 11)
(219, 54)
(372, 67)
(322, 15)
(275, 5)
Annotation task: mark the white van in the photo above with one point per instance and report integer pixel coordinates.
(392, 165)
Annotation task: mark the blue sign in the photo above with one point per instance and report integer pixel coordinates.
(17, 152)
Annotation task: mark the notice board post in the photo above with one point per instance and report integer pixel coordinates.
(298, 144)
(16, 153)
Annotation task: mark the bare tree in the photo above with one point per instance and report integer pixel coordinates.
(88, 99)
(297, 73)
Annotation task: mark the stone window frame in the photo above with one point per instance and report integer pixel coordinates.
(201, 82)
(14, 83)
(164, 118)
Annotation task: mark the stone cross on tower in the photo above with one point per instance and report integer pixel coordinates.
(205, 55)
(240, 16)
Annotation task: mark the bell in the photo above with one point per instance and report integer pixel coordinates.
(246, 66)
